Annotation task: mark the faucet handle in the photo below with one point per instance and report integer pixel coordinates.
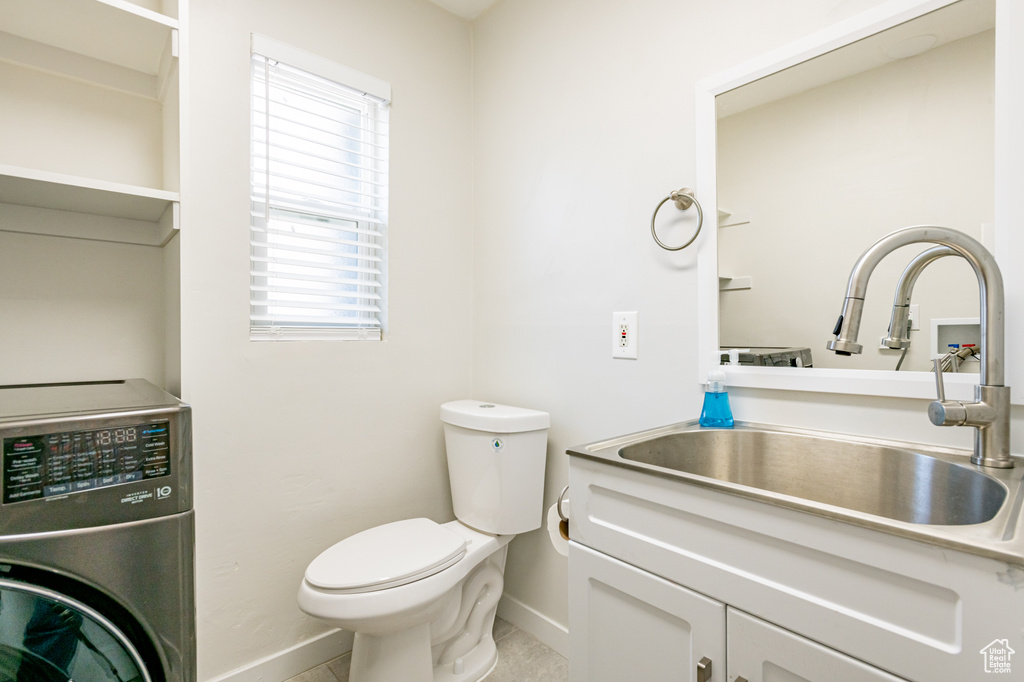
(944, 412)
(940, 387)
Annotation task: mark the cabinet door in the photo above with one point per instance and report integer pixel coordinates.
(627, 624)
(762, 652)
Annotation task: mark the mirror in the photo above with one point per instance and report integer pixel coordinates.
(883, 122)
(817, 162)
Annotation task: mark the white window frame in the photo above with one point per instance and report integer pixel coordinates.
(272, 219)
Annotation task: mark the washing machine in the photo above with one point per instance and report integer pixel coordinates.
(96, 534)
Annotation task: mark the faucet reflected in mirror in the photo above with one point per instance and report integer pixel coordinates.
(898, 337)
(989, 414)
(823, 158)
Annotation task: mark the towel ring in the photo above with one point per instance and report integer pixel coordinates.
(683, 199)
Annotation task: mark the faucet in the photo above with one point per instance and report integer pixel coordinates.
(989, 414)
(898, 336)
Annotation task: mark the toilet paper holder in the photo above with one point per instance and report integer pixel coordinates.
(563, 524)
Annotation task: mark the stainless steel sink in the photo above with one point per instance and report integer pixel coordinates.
(895, 483)
(924, 492)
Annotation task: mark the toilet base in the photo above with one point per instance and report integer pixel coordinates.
(403, 655)
(457, 645)
(474, 666)
(406, 656)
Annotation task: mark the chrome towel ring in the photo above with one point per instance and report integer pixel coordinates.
(683, 199)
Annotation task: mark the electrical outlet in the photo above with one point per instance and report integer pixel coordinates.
(915, 317)
(624, 335)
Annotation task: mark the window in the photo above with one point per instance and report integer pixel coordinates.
(319, 197)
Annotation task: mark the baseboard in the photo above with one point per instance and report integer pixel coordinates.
(553, 634)
(328, 646)
(297, 659)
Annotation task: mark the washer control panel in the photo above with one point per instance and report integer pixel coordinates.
(91, 454)
(62, 463)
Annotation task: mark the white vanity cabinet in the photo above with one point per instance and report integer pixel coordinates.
(628, 624)
(663, 573)
(91, 111)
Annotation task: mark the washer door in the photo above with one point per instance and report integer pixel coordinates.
(48, 637)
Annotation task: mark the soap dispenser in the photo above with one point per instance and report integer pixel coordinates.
(716, 412)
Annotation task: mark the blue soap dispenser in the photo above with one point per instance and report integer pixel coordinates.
(716, 412)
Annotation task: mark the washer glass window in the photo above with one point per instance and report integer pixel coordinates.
(48, 637)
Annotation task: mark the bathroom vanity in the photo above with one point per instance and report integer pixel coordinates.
(780, 555)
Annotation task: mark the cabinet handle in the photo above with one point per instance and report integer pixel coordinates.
(704, 670)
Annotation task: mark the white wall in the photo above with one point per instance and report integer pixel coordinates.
(78, 310)
(64, 127)
(298, 445)
(823, 174)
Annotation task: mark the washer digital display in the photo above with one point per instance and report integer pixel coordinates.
(56, 464)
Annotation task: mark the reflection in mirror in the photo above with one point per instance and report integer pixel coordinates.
(817, 162)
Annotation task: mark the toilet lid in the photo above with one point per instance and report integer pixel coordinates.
(387, 556)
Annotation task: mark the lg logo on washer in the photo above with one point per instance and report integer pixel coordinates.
(162, 493)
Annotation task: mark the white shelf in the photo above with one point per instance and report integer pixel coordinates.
(105, 48)
(110, 42)
(28, 187)
(734, 283)
(39, 202)
(111, 31)
(729, 219)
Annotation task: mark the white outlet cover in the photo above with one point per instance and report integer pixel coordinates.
(629, 350)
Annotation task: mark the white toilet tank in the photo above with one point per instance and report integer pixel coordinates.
(496, 458)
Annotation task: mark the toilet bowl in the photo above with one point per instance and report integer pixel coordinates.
(421, 596)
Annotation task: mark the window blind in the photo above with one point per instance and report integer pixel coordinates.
(319, 196)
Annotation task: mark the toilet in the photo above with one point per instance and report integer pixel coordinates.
(421, 596)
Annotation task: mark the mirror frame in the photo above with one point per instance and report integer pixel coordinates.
(1009, 173)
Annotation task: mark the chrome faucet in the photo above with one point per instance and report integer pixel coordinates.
(898, 336)
(990, 411)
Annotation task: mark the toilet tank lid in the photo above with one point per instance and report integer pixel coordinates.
(480, 415)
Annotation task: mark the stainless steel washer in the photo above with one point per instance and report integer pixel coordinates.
(96, 534)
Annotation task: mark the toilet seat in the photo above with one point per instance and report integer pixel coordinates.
(386, 556)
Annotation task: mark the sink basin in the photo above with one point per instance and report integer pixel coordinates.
(891, 482)
(927, 493)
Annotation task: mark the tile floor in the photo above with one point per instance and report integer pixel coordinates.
(521, 658)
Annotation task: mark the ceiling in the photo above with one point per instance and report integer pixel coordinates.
(468, 9)
(950, 23)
